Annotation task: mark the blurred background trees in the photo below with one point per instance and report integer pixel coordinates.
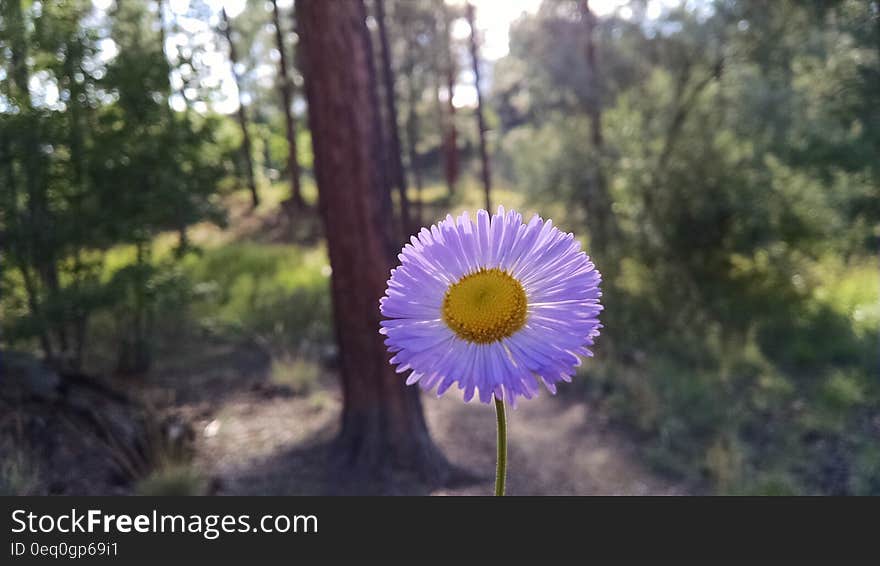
(92, 159)
(721, 122)
(721, 160)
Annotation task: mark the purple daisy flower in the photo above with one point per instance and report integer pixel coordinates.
(496, 306)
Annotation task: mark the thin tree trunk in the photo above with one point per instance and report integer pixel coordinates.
(412, 127)
(380, 155)
(286, 88)
(383, 428)
(486, 173)
(79, 315)
(36, 311)
(396, 173)
(599, 201)
(242, 113)
(440, 115)
(436, 80)
(135, 357)
(18, 256)
(182, 236)
(593, 107)
(412, 136)
(450, 139)
(39, 250)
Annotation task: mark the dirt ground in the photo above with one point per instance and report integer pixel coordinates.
(264, 440)
(247, 434)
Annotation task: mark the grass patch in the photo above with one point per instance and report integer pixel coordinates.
(18, 474)
(177, 480)
(301, 375)
(277, 294)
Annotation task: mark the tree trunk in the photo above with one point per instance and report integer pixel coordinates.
(481, 123)
(593, 108)
(450, 139)
(414, 89)
(396, 174)
(77, 132)
(383, 429)
(16, 253)
(242, 114)
(286, 88)
(598, 206)
(442, 126)
(182, 235)
(412, 136)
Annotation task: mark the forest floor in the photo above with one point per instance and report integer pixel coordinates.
(253, 437)
(256, 436)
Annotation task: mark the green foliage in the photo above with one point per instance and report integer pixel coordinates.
(741, 315)
(103, 162)
(278, 294)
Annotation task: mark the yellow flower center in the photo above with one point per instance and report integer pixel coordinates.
(485, 306)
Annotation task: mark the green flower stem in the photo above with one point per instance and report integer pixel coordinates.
(501, 469)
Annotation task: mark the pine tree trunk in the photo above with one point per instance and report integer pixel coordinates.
(242, 114)
(286, 88)
(486, 173)
(396, 174)
(383, 429)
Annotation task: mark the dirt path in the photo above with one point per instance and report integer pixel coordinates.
(262, 442)
(556, 447)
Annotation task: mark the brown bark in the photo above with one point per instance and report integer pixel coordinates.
(286, 88)
(486, 173)
(383, 429)
(396, 174)
(242, 113)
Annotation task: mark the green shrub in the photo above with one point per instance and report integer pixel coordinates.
(789, 406)
(278, 294)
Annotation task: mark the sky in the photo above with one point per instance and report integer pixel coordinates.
(493, 19)
(495, 16)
